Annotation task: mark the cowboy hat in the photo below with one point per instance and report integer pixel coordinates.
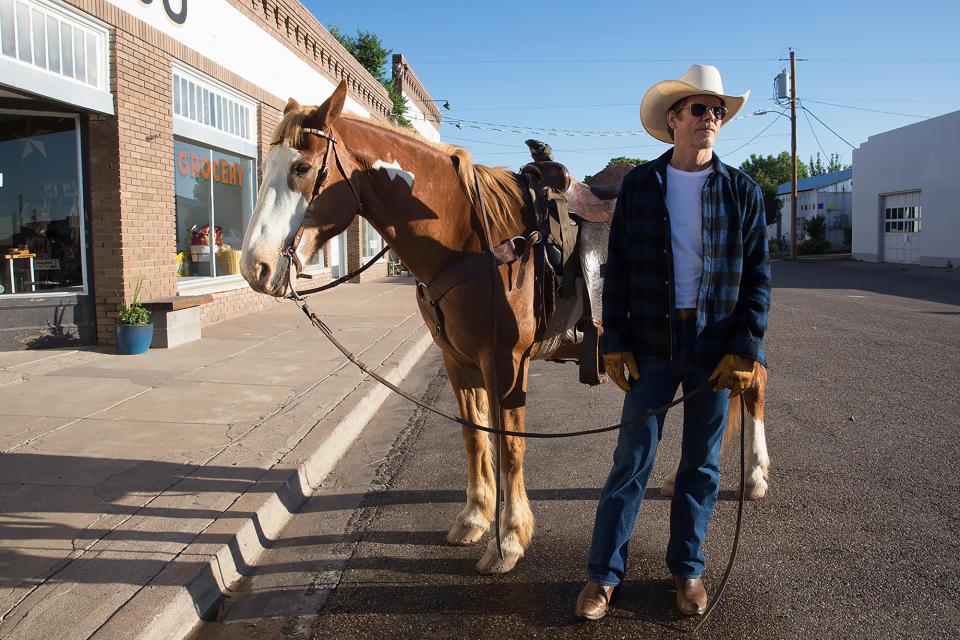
(700, 79)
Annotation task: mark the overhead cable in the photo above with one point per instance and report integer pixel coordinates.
(825, 125)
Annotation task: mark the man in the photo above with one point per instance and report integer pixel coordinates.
(685, 299)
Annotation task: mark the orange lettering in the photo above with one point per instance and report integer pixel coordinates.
(240, 174)
(183, 163)
(194, 165)
(205, 169)
(216, 171)
(233, 174)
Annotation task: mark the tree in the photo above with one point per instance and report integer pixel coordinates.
(770, 172)
(369, 51)
(624, 160)
(833, 165)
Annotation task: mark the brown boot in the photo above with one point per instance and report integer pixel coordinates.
(691, 596)
(593, 600)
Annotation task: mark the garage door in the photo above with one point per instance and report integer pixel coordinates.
(901, 227)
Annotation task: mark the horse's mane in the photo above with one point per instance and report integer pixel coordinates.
(500, 187)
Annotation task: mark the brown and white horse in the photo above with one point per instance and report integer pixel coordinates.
(421, 198)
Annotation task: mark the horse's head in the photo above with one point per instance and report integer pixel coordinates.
(290, 192)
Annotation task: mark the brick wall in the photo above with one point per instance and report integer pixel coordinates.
(130, 155)
(131, 179)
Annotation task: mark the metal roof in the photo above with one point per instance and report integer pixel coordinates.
(816, 182)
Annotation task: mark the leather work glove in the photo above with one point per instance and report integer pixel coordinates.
(734, 373)
(614, 363)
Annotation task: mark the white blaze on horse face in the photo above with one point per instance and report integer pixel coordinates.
(277, 215)
(394, 170)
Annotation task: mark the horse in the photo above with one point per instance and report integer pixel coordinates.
(422, 198)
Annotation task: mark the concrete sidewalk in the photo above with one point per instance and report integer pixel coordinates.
(135, 489)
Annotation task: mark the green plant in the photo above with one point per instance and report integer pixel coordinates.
(134, 314)
(812, 246)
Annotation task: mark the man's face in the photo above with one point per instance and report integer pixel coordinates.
(692, 132)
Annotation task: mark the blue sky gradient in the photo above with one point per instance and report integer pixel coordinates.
(586, 67)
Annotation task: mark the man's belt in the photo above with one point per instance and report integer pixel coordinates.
(682, 315)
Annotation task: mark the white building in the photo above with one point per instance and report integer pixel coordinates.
(829, 195)
(907, 205)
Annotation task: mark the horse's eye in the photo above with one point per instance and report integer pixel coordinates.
(302, 169)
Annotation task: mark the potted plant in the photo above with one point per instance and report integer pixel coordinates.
(133, 330)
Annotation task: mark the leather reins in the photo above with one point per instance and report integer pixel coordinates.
(297, 297)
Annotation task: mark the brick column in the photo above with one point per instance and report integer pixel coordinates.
(354, 250)
(132, 214)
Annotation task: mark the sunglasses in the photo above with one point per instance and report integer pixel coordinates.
(697, 110)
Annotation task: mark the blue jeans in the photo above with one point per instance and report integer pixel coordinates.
(698, 476)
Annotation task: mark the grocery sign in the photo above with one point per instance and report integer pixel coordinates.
(224, 172)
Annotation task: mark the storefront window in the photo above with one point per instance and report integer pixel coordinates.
(214, 199)
(370, 240)
(41, 221)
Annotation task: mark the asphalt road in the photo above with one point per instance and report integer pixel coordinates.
(858, 536)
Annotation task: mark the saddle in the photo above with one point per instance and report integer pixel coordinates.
(574, 218)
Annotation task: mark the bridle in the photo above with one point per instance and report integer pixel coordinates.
(291, 251)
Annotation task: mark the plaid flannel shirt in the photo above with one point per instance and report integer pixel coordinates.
(734, 293)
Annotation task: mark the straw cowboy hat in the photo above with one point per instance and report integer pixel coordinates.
(700, 79)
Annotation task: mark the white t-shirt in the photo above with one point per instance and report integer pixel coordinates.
(684, 189)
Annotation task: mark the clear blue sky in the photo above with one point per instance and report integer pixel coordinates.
(586, 67)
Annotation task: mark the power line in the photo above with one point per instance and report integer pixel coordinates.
(807, 116)
(528, 61)
(539, 131)
(825, 125)
(779, 113)
(844, 106)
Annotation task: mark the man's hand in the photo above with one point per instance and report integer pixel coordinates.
(734, 373)
(614, 363)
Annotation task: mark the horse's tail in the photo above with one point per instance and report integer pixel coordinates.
(753, 399)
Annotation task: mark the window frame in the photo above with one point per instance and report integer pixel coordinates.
(81, 211)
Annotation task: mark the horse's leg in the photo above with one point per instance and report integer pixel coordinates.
(475, 518)
(667, 486)
(516, 522)
(757, 460)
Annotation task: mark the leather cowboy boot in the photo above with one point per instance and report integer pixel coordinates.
(691, 596)
(593, 600)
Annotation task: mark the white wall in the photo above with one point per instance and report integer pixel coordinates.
(428, 129)
(919, 157)
(215, 29)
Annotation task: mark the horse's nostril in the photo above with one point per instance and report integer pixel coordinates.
(262, 273)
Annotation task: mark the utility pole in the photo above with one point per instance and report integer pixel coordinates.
(793, 156)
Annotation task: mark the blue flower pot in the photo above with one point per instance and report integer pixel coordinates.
(133, 339)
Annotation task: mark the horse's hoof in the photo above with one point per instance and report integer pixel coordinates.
(755, 491)
(666, 489)
(492, 564)
(463, 534)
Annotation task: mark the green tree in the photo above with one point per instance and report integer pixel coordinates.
(369, 51)
(770, 172)
(624, 160)
(816, 228)
(834, 164)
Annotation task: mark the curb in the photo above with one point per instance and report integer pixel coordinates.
(160, 611)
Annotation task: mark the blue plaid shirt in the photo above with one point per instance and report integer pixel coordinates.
(734, 294)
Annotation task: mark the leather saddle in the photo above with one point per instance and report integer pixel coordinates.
(575, 217)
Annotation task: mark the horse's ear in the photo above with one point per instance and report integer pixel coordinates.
(329, 111)
(292, 105)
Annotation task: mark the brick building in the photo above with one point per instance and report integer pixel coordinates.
(131, 135)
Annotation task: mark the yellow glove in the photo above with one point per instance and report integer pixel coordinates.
(614, 363)
(734, 373)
